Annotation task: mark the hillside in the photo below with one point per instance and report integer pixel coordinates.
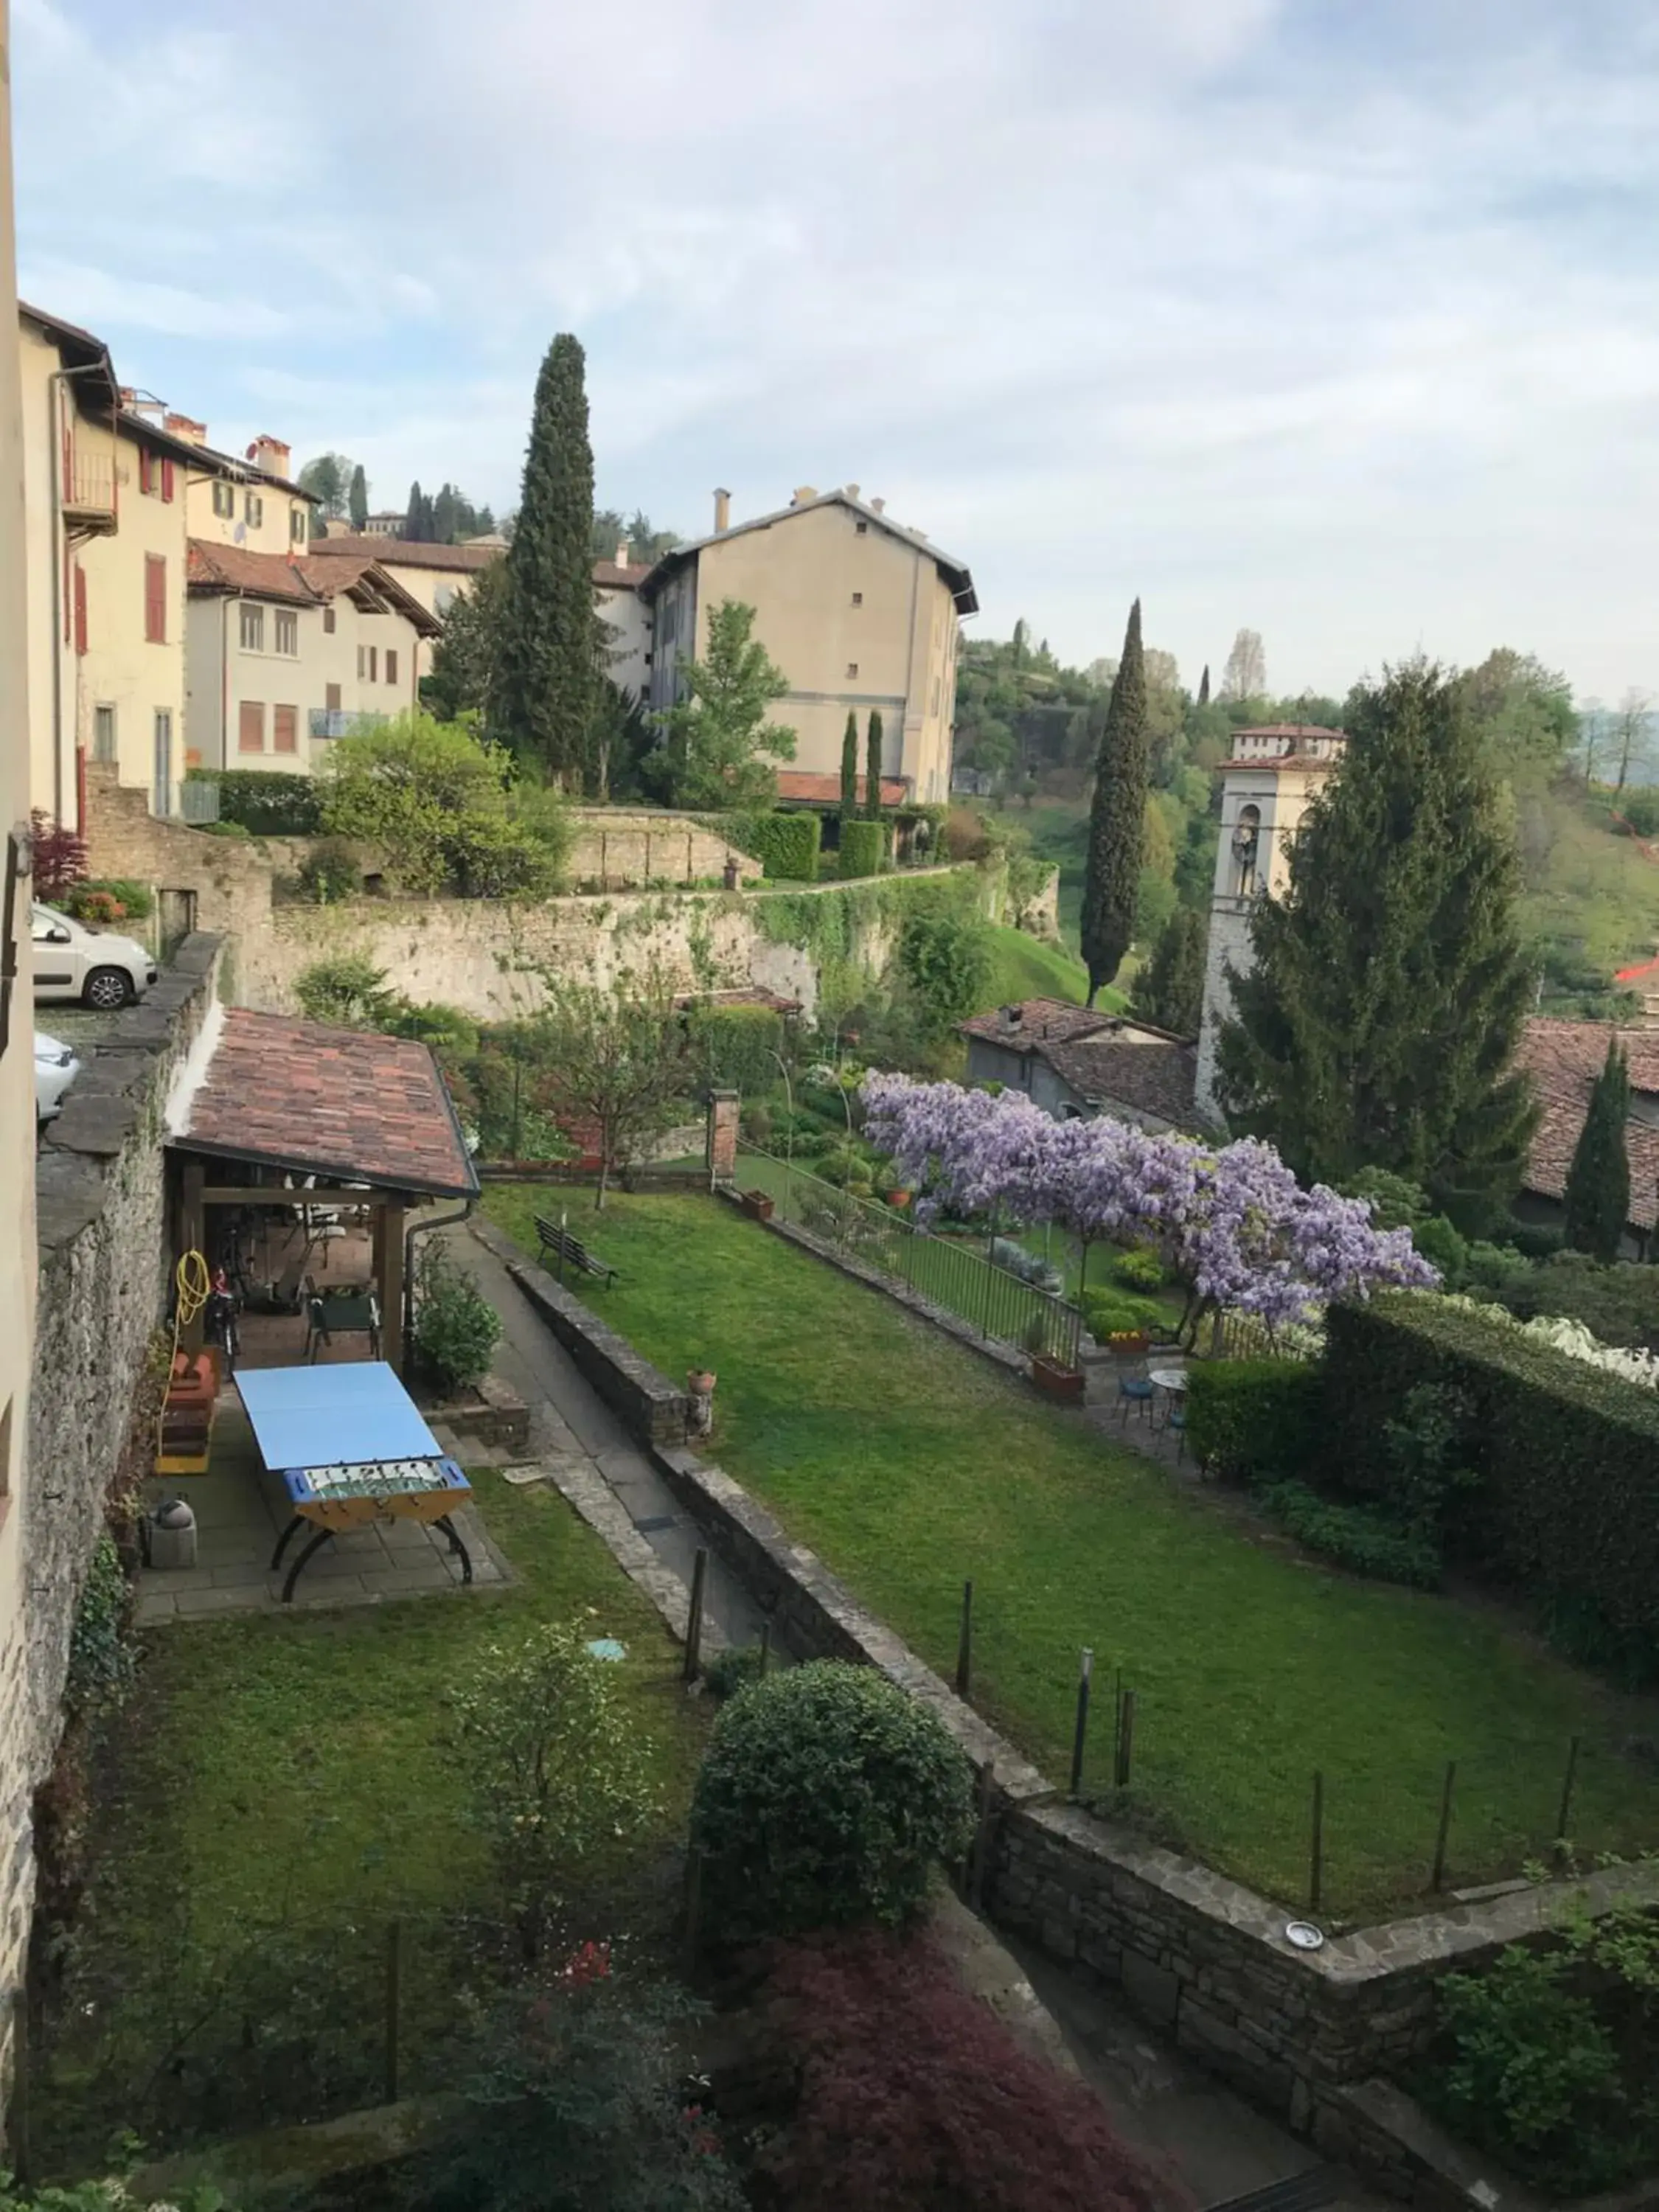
(1592, 902)
(1026, 967)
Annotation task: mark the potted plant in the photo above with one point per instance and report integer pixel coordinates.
(1051, 1375)
(756, 1204)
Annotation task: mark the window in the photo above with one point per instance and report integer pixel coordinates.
(285, 729)
(288, 631)
(103, 734)
(390, 665)
(863, 529)
(852, 668)
(80, 608)
(254, 508)
(156, 600)
(146, 470)
(161, 802)
(331, 697)
(254, 628)
(363, 661)
(328, 620)
(858, 599)
(251, 728)
(374, 664)
(296, 526)
(224, 499)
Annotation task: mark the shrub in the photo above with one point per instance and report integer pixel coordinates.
(1566, 1507)
(331, 870)
(456, 1328)
(735, 1045)
(1357, 1537)
(109, 899)
(914, 2095)
(1252, 1420)
(1618, 1303)
(496, 855)
(60, 858)
(1641, 809)
(733, 1669)
(864, 847)
(786, 845)
(1137, 1271)
(945, 959)
(346, 988)
(100, 1660)
(1120, 1313)
(112, 2195)
(966, 837)
(1396, 1202)
(99, 910)
(1536, 1240)
(1442, 1246)
(266, 804)
(827, 1795)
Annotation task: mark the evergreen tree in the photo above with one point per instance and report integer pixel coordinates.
(1170, 992)
(463, 659)
(849, 767)
(545, 676)
(1111, 884)
(1377, 1027)
(872, 766)
(1598, 1181)
(715, 736)
(412, 516)
(1204, 686)
(357, 498)
(486, 522)
(444, 512)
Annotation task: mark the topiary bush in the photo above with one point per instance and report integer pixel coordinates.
(733, 1669)
(785, 845)
(1137, 1271)
(1250, 1421)
(864, 847)
(826, 1795)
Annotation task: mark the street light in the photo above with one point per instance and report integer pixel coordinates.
(789, 1139)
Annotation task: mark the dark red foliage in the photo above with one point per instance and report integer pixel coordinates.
(916, 2097)
(60, 857)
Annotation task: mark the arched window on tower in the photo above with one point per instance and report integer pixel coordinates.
(1246, 842)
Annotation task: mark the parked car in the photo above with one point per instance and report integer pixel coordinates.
(97, 966)
(55, 1068)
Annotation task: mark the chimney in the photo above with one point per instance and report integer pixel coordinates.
(803, 493)
(186, 427)
(878, 507)
(622, 551)
(270, 454)
(722, 511)
(1012, 1017)
(852, 491)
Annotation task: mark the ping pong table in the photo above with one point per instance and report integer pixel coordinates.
(351, 1448)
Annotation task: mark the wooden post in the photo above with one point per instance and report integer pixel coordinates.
(1126, 1740)
(389, 1274)
(394, 1944)
(1439, 1874)
(1317, 1853)
(694, 1618)
(965, 1643)
(1567, 1780)
(1086, 1667)
(192, 1237)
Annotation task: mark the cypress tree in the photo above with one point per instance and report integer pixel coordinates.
(358, 499)
(1378, 1024)
(1111, 883)
(849, 767)
(1598, 1181)
(545, 675)
(412, 517)
(1204, 686)
(1170, 993)
(872, 768)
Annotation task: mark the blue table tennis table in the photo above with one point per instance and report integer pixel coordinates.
(351, 1447)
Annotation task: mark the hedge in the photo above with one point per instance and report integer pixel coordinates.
(1567, 1508)
(1254, 1420)
(864, 847)
(735, 1045)
(786, 844)
(264, 803)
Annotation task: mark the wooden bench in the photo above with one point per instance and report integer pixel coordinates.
(570, 1251)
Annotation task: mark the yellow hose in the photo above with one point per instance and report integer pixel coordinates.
(195, 1287)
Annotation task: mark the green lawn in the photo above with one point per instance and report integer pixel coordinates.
(1024, 967)
(282, 1788)
(911, 1464)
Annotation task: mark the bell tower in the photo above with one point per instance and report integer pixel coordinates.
(1266, 787)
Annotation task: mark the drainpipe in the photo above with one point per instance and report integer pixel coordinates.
(422, 1229)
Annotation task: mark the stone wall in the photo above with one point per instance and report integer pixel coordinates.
(615, 847)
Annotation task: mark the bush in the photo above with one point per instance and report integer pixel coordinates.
(1565, 1455)
(827, 1795)
(346, 988)
(786, 845)
(109, 899)
(1120, 1313)
(733, 1669)
(965, 835)
(863, 848)
(266, 804)
(1442, 1248)
(456, 1328)
(330, 872)
(1641, 809)
(735, 1047)
(914, 2095)
(1536, 1240)
(1357, 1537)
(1253, 1420)
(101, 1666)
(945, 959)
(1137, 1271)
(1618, 1303)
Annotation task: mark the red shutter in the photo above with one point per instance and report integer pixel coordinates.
(251, 726)
(167, 480)
(80, 608)
(156, 600)
(144, 468)
(391, 666)
(285, 730)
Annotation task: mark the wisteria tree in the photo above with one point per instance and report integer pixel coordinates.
(1233, 1223)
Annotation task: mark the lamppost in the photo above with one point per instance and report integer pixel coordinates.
(789, 1138)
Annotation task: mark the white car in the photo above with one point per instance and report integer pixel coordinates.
(55, 1068)
(96, 966)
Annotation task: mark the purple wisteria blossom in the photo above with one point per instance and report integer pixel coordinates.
(1232, 1221)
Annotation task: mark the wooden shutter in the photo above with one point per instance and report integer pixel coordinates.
(250, 729)
(144, 465)
(156, 600)
(167, 479)
(331, 697)
(390, 665)
(285, 729)
(80, 608)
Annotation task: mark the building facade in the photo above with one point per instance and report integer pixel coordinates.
(859, 613)
(1077, 1064)
(434, 576)
(1266, 786)
(251, 503)
(616, 597)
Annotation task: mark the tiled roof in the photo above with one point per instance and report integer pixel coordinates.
(213, 568)
(1564, 1059)
(323, 1101)
(611, 577)
(404, 553)
(1155, 1076)
(825, 790)
(370, 585)
(955, 576)
(1047, 1021)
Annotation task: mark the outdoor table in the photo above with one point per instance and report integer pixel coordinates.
(1172, 1381)
(351, 1448)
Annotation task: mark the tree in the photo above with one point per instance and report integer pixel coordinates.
(1245, 676)
(1170, 991)
(1632, 734)
(719, 730)
(463, 659)
(545, 678)
(849, 767)
(1204, 686)
(618, 1059)
(328, 479)
(444, 512)
(945, 959)
(872, 766)
(357, 498)
(1598, 1181)
(415, 518)
(1379, 1023)
(1117, 818)
(1523, 715)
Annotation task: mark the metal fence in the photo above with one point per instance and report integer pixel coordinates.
(198, 799)
(946, 1270)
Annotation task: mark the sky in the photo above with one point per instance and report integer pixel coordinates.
(1336, 318)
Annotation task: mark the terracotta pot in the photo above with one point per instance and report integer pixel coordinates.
(1054, 1380)
(757, 1205)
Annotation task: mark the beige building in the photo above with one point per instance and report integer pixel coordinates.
(283, 657)
(249, 503)
(617, 596)
(857, 611)
(1266, 787)
(434, 576)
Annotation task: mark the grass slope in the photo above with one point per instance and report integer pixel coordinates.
(909, 1464)
(1024, 967)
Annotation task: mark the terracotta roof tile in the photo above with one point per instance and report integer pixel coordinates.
(1040, 1021)
(323, 1101)
(212, 568)
(800, 786)
(1564, 1059)
(404, 553)
(614, 578)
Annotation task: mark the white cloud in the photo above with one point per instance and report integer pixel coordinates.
(1333, 320)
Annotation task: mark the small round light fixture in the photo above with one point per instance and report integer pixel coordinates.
(1303, 1935)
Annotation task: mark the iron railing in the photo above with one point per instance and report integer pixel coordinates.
(946, 1270)
(337, 722)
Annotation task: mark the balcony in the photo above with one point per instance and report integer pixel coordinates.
(88, 495)
(336, 722)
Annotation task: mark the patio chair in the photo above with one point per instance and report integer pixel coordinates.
(1133, 1384)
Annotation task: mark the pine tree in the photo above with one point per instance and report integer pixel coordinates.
(358, 499)
(544, 694)
(1117, 818)
(1204, 686)
(1170, 992)
(1598, 1181)
(412, 516)
(849, 767)
(1378, 1026)
(872, 768)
